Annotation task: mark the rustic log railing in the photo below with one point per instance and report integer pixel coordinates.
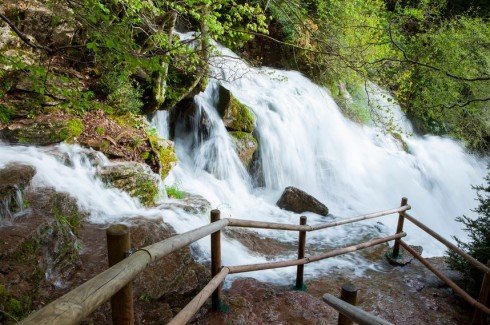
(79, 303)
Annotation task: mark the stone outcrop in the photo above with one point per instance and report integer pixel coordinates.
(43, 130)
(133, 178)
(296, 200)
(13, 180)
(245, 146)
(52, 250)
(235, 115)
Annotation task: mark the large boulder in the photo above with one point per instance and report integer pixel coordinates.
(235, 115)
(296, 200)
(134, 178)
(245, 146)
(40, 252)
(13, 180)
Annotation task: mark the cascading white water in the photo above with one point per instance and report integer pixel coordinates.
(304, 142)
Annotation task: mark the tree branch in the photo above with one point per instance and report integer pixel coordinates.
(24, 37)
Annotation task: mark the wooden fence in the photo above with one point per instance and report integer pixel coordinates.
(115, 282)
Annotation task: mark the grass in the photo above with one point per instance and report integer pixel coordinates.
(175, 192)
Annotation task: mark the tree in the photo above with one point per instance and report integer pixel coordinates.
(478, 245)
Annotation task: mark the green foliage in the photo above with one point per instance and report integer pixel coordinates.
(175, 192)
(433, 55)
(5, 113)
(478, 245)
(13, 307)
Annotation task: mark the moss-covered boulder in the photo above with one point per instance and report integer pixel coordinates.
(235, 115)
(43, 130)
(245, 146)
(134, 178)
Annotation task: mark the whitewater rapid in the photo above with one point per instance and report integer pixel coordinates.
(304, 141)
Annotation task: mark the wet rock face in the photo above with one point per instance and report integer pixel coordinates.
(296, 200)
(245, 146)
(134, 178)
(266, 246)
(43, 130)
(13, 180)
(254, 302)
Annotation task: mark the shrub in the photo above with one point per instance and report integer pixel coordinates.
(479, 243)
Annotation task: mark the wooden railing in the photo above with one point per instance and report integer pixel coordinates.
(79, 303)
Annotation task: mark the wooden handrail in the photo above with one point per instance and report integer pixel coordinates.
(80, 302)
(314, 258)
(284, 226)
(448, 244)
(445, 279)
(355, 313)
(192, 307)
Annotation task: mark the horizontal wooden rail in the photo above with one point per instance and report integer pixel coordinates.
(361, 217)
(285, 226)
(446, 280)
(306, 260)
(448, 244)
(192, 307)
(77, 304)
(355, 313)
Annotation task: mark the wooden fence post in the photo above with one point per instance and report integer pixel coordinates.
(301, 254)
(399, 229)
(216, 260)
(118, 245)
(348, 293)
(478, 316)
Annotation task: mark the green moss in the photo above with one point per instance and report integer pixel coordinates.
(71, 217)
(244, 120)
(73, 129)
(15, 308)
(166, 153)
(5, 114)
(167, 159)
(146, 191)
(99, 130)
(27, 250)
(236, 115)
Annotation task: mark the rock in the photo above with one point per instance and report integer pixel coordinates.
(43, 130)
(257, 243)
(236, 116)
(404, 258)
(134, 178)
(13, 180)
(39, 252)
(296, 200)
(245, 146)
(174, 279)
(190, 203)
(254, 302)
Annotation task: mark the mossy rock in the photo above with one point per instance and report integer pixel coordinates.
(236, 116)
(43, 130)
(163, 152)
(133, 178)
(245, 146)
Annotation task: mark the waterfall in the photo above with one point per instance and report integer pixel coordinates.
(304, 141)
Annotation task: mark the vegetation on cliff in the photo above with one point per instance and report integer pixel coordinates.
(478, 246)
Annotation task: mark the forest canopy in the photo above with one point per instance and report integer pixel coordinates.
(122, 55)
